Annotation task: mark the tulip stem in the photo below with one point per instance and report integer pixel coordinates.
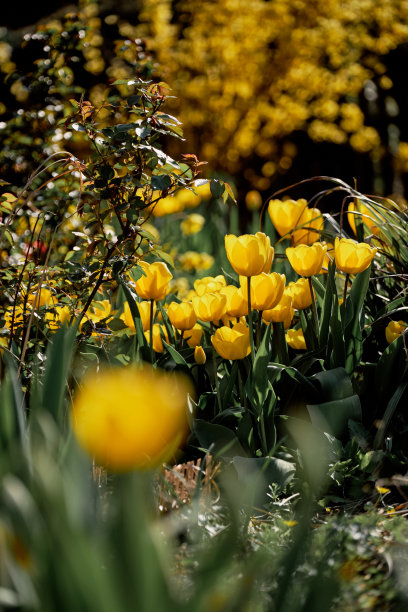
(250, 322)
(151, 329)
(258, 328)
(214, 360)
(314, 311)
(343, 306)
(242, 391)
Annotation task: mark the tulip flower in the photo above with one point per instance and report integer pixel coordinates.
(394, 330)
(352, 257)
(192, 224)
(266, 289)
(283, 311)
(131, 418)
(232, 343)
(296, 339)
(285, 215)
(157, 343)
(144, 311)
(59, 316)
(210, 306)
(193, 336)
(154, 284)
(182, 315)
(249, 254)
(306, 260)
(311, 219)
(199, 355)
(301, 294)
(42, 297)
(366, 215)
(237, 304)
(209, 284)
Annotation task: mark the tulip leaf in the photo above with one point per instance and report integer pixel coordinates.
(178, 359)
(256, 474)
(327, 307)
(333, 384)
(389, 369)
(332, 417)
(167, 325)
(389, 413)
(260, 369)
(217, 439)
(336, 350)
(135, 313)
(227, 384)
(352, 330)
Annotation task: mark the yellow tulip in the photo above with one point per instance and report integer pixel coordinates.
(158, 330)
(283, 311)
(182, 315)
(232, 343)
(210, 306)
(266, 289)
(193, 336)
(131, 418)
(311, 219)
(209, 284)
(192, 224)
(144, 311)
(285, 214)
(59, 316)
(352, 257)
(199, 355)
(237, 303)
(154, 284)
(301, 294)
(394, 330)
(15, 315)
(306, 260)
(296, 339)
(44, 297)
(367, 217)
(248, 254)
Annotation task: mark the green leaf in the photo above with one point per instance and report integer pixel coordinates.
(388, 414)
(217, 188)
(161, 182)
(134, 311)
(353, 330)
(260, 369)
(332, 417)
(260, 472)
(178, 359)
(217, 439)
(333, 384)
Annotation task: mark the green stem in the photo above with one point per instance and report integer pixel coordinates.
(343, 306)
(258, 328)
(214, 360)
(250, 322)
(242, 390)
(151, 329)
(314, 310)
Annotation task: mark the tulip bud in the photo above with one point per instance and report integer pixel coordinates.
(232, 343)
(199, 355)
(296, 339)
(182, 315)
(154, 284)
(249, 254)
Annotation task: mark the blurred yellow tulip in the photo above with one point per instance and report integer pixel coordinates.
(232, 343)
(296, 339)
(352, 257)
(209, 284)
(394, 330)
(131, 418)
(192, 224)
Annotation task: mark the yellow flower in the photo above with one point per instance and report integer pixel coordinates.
(144, 311)
(253, 200)
(193, 336)
(367, 217)
(18, 316)
(3, 344)
(192, 224)
(154, 284)
(44, 298)
(283, 311)
(300, 292)
(59, 316)
(266, 289)
(210, 306)
(209, 284)
(191, 260)
(232, 343)
(158, 330)
(311, 219)
(199, 355)
(249, 254)
(394, 330)
(182, 315)
(237, 304)
(180, 287)
(328, 258)
(296, 339)
(286, 214)
(165, 206)
(131, 418)
(352, 257)
(306, 260)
